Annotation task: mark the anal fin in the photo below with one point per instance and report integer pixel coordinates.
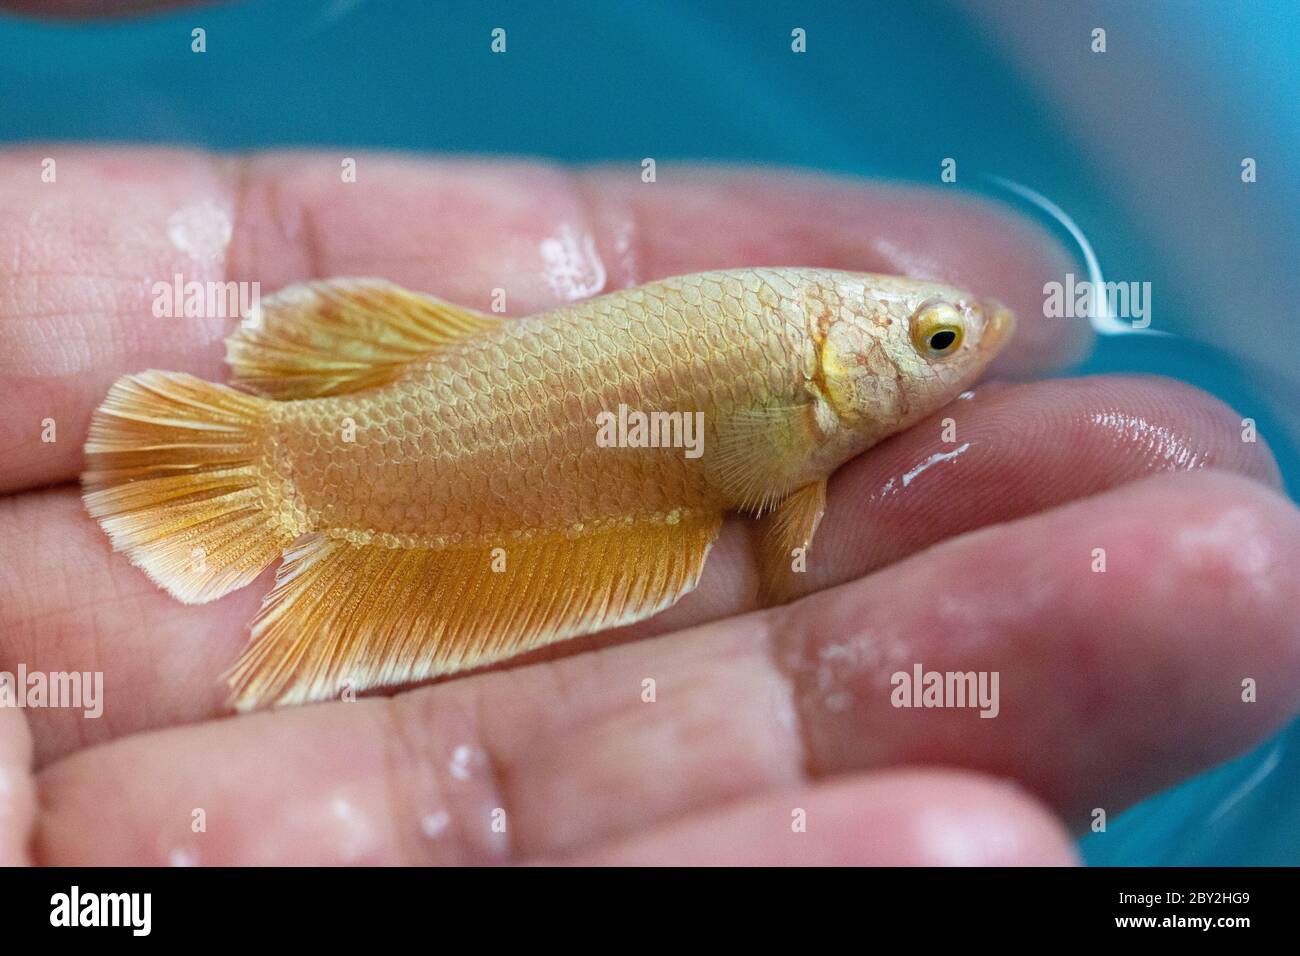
(367, 616)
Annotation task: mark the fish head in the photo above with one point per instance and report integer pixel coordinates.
(897, 349)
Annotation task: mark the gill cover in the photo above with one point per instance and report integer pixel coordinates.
(856, 372)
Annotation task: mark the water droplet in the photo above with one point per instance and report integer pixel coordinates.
(571, 265)
(182, 856)
(931, 462)
(1165, 447)
(433, 825)
(355, 832)
(202, 230)
(463, 759)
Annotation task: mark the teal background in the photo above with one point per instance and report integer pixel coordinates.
(887, 90)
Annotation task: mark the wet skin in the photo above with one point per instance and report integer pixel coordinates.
(966, 555)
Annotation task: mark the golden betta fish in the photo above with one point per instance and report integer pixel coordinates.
(449, 488)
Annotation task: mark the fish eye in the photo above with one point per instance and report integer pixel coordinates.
(937, 330)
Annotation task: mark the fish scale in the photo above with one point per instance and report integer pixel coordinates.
(490, 470)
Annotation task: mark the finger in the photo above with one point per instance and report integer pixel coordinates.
(81, 9)
(79, 257)
(17, 789)
(66, 602)
(1112, 685)
(1004, 452)
(908, 817)
(895, 818)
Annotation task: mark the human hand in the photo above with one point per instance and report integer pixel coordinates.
(973, 555)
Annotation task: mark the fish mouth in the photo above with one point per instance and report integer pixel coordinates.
(999, 324)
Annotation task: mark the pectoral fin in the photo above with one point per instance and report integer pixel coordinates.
(758, 448)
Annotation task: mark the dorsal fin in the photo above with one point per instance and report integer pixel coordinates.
(332, 337)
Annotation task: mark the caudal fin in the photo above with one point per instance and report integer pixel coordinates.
(172, 476)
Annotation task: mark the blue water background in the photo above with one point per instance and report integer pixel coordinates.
(887, 90)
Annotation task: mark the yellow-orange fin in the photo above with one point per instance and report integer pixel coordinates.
(344, 616)
(171, 477)
(791, 529)
(332, 337)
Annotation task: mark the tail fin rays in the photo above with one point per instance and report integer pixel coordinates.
(172, 477)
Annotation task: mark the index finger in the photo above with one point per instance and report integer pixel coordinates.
(80, 255)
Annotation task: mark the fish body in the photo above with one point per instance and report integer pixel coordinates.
(448, 488)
